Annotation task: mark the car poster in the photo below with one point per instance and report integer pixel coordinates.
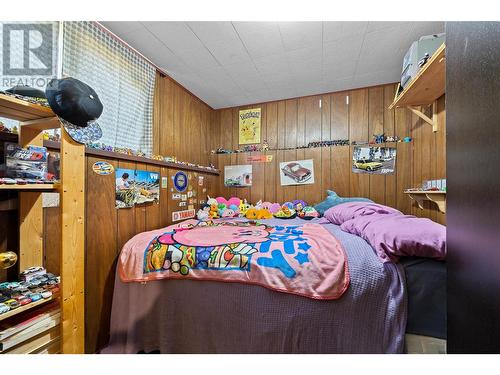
(374, 160)
(249, 126)
(238, 175)
(297, 172)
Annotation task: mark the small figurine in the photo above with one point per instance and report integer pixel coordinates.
(265, 146)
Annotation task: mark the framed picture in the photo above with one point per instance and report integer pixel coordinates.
(374, 160)
(249, 126)
(238, 175)
(297, 172)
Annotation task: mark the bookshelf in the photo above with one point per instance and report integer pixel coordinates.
(34, 119)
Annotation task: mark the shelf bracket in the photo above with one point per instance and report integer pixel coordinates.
(423, 116)
(438, 199)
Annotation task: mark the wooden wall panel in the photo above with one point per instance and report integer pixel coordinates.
(356, 115)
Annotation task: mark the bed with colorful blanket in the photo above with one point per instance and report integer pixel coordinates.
(274, 286)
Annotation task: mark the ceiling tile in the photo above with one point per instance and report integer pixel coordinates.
(228, 52)
(343, 29)
(213, 32)
(260, 40)
(176, 35)
(297, 35)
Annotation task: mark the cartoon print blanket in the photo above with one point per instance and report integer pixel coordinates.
(300, 259)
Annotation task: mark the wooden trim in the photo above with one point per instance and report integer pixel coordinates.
(423, 116)
(42, 123)
(133, 158)
(72, 208)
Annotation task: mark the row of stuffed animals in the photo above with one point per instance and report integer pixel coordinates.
(220, 207)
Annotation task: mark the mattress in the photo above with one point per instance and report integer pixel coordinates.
(190, 316)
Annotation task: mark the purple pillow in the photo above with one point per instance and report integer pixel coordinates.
(395, 235)
(347, 211)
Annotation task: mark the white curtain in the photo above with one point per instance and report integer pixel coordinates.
(123, 80)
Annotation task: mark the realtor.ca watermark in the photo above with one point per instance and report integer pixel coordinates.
(28, 54)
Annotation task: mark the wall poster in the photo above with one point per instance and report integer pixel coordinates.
(249, 126)
(297, 172)
(136, 187)
(238, 175)
(374, 160)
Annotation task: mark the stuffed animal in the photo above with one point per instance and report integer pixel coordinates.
(258, 205)
(221, 207)
(244, 207)
(264, 214)
(212, 201)
(290, 205)
(228, 213)
(308, 213)
(285, 213)
(251, 213)
(275, 207)
(204, 213)
(214, 211)
(299, 204)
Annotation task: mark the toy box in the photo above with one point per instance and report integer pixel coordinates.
(29, 163)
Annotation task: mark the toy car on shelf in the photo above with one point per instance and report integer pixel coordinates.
(296, 172)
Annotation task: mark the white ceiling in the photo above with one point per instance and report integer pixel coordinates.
(233, 63)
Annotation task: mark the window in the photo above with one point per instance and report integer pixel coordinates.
(123, 80)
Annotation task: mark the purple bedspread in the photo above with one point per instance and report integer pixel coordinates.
(187, 316)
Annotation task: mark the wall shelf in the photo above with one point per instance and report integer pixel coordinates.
(425, 88)
(24, 308)
(20, 110)
(46, 187)
(419, 196)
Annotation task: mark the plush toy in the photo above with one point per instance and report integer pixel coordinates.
(275, 207)
(264, 214)
(251, 213)
(204, 213)
(221, 207)
(285, 213)
(214, 212)
(258, 205)
(228, 213)
(290, 205)
(266, 205)
(308, 213)
(244, 207)
(212, 201)
(299, 204)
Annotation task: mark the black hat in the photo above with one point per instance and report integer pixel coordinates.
(27, 91)
(77, 106)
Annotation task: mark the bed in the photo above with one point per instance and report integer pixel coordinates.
(191, 316)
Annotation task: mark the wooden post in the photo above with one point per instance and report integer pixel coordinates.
(72, 206)
(30, 213)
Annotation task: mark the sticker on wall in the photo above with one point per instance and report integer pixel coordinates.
(260, 159)
(164, 182)
(238, 175)
(103, 168)
(249, 126)
(374, 160)
(201, 179)
(189, 176)
(297, 172)
(189, 194)
(50, 200)
(182, 204)
(183, 215)
(190, 201)
(190, 188)
(190, 207)
(180, 181)
(176, 196)
(202, 201)
(204, 190)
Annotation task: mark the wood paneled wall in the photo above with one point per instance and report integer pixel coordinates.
(295, 122)
(107, 230)
(181, 123)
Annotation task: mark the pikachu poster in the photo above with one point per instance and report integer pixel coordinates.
(249, 126)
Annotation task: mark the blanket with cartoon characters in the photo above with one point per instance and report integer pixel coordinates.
(304, 259)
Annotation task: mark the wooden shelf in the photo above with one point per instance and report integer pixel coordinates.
(438, 197)
(30, 187)
(425, 88)
(428, 85)
(24, 308)
(17, 109)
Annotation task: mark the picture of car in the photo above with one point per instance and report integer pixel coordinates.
(367, 165)
(296, 172)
